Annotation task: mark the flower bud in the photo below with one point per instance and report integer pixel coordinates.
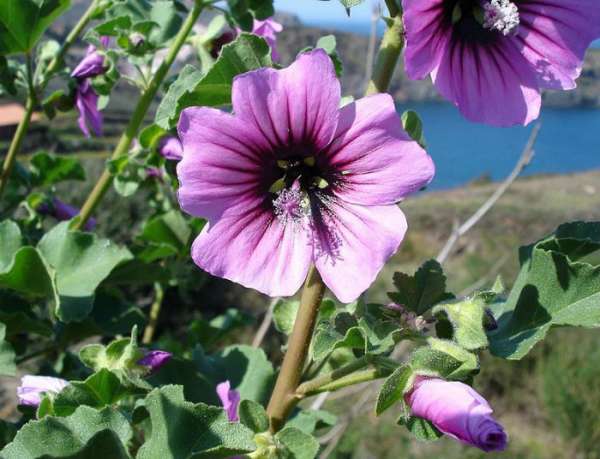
(230, 399)
(63, 212)
(458, 411)
(33, 387)
(153, 360)
(170, 147)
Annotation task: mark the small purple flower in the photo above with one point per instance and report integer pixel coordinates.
(491, 58)
(230, 399)
(33, 387)
(63, 212)
(290, 179)
(155, 173)
(86, 99)
(268, 30)
(170, 147)
(154, 360)
(458, 411)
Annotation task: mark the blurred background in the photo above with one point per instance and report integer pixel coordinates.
(550, 401)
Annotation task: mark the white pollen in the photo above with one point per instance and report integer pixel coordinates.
(501, 15)
(291, 205)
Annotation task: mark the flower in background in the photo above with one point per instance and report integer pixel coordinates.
(170, 147)
(491, 58)
(86, 99)
(230, 399)
(290, 180)
(63, 212)
(268, 30)
(32, 388)
(217, 44)
(458, 411)
(154, 360)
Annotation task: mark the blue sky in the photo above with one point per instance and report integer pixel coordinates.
(313, 11)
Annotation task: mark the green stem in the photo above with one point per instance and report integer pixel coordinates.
(312, 387)
(138, 116)
(389, 52)
(284, 397)
(154, 313)
(358, 377)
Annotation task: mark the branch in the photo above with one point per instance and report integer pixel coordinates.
(265, 324)
(522, 163)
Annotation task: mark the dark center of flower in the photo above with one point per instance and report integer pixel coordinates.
(481, 21)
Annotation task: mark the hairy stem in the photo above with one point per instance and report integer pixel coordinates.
(314, 385)
(284, 397)
(389, 52)
(55, 63)
(137, 117)
(154, 313)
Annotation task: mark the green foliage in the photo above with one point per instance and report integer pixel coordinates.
(328, 43)
(23, 22)
(296, 444)
(167, 234)
(86, 433)
(422, 429)
(213, 88)
(180, 429)
(444, 359)
(394, 388)
(308, 421)
(7, 355)
(253, 416)
(423, 290)
(413, 126)
(243, 12)
(554, 287)
(48, 169)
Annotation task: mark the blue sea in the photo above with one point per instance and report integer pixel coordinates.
(569, 141)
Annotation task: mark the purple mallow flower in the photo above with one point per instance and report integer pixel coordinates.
(170, 147)
(33, 387)
(491, 58)
(458, 411)
(268, 30)
(86, 99)
(154, 360)
(290, 179)
(63, 212)
(230, 399)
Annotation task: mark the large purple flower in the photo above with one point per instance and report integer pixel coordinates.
(290, 179)
(491, 58)
(458, 411)
(86, 99)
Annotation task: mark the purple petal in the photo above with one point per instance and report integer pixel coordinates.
(230, 399)
(92, 65)
(296, 105)
(90, 117)
(352, 243)
(426, 36)
(250, 246)
(554, 35)
(381, 164)
(155, 359)
(63, 212)
(458, 411)
(170, 147)
(492, 84)
(267, 29)
(32, 387)
(222, 161)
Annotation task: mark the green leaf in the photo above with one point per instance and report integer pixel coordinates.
(151, 135)
(208, 333)
(48, 169)
(247, 52)
(421, 292)
(18, 316)
(422, 429)
(99, 390)
(444, 359)
(467, 320)
(329, 44)
(7, 355)
(394, 388)
(120, 356)
(285, 311)
(169, 229)
(296, 444)
(81, 261)
(553, 288)
(23, 22)
(181, 429)
(413, 126)
(308, 421)
(253, 416)
(87, 433)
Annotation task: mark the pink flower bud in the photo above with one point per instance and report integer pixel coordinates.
(170, 147)
(230, 399)
(33, 387)
(155, 359)
(458, 411)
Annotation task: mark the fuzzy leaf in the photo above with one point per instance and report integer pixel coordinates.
(192, 88)
(87, 433)
(444, 359)
(253, 416)
(296, 444)
(23, 22)
(553, 288)
(467, 320)
(423, 290)
(422, 429)
(181, 429)
(310, 420)
(394, 388)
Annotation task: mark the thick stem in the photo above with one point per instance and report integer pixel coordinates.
(137, 117)
(154, 313)
(389, 52)
(284, 396)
